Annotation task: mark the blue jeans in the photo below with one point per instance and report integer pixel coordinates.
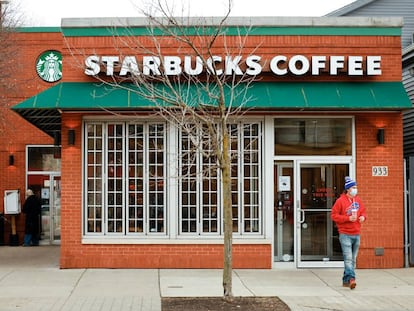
(30, 239)
(350, 247)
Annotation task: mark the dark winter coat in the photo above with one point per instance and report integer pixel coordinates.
(31, 208)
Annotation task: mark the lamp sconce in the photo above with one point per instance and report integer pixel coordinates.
(11, 160)
(381, 136)
(71, 137)
(56, 138)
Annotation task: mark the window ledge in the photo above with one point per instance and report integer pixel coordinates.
(126, 241)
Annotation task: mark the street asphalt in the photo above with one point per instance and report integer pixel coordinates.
(31, 280)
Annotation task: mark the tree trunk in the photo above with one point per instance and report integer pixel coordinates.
(228, 221)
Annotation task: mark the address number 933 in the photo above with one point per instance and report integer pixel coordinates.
(380, 171)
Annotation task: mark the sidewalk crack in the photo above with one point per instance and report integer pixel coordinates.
(389, 272)
(6, 275)
(243, 283)
(159, 282)
(73, 289)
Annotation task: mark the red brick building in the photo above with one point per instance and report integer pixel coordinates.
(326, 104)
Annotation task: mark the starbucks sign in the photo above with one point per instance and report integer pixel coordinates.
(49, 66)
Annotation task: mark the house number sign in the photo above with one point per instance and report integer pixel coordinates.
(380, 171)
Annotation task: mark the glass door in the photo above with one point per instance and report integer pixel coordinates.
(55, 209)
(47, 188)
(43, 177)
(318, 185)
(283, 211)
(50, 197)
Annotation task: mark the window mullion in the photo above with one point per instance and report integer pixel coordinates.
(145, 179)
(125, 165)
(240, 177)
(199, 179)
(105, 179)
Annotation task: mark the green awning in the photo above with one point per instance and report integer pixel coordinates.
(43, 109)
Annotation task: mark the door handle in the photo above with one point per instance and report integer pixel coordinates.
(302, 216)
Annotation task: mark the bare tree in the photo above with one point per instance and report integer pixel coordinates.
(4, 72)
(9, 21)
(202, 94)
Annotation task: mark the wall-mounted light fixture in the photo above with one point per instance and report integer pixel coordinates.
(11, 159)
(381, 136)
(56, 138)
(71, 137)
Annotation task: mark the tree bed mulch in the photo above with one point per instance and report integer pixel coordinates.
(219, 304)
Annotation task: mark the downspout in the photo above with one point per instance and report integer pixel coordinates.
(406, 194)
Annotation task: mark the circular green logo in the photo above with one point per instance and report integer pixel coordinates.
(49, 66)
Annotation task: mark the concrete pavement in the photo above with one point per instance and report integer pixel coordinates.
(30, 279)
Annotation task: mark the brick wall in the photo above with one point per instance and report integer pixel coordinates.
(162, 256)
(383, 196)
(15, 132)
(266, 46)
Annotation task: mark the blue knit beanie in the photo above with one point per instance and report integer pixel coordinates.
(349, 182)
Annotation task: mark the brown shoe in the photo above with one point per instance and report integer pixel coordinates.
(352, 283)
(345, 284)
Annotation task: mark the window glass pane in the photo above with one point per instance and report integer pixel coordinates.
(136, 178)
(156, 177)
(311, 136)
(94, 179)
(251, 178)
(132, 156)
(146, 178)
(209, 189)
(234, 151)
(200, 181)
(188, 184)
(44, 159)
(115, 177)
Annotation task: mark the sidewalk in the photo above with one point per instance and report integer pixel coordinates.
(30, 280)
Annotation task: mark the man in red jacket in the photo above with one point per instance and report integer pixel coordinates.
(348, 213)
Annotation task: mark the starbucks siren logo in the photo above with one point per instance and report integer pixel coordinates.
(49, 66)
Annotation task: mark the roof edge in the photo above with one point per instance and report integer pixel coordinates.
(350, 7)
(37, 29)
(243, 21)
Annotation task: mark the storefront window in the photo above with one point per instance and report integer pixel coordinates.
(200, 182)
(313, 136)
(146, 178)
(134, 153)
(126, 176)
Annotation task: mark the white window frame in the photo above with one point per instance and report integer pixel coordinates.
(123, 189)
(171, 190)
(241, 192)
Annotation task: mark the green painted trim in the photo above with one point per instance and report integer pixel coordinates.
(38, 29)
(235, 31)
(262, 95)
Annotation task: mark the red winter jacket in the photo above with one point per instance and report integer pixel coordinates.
(341, 211)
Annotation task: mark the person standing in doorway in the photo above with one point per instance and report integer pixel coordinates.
(349, 213)
(31, 208)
